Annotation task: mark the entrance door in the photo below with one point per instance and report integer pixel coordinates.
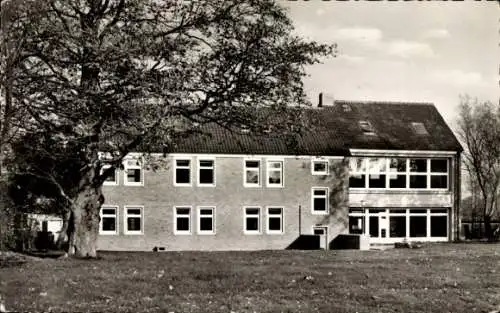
(378, 224)
(322, 231)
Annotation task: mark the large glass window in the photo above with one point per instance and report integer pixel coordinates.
(357, 178)
(399, 173)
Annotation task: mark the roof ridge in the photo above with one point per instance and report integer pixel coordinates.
(381, 102)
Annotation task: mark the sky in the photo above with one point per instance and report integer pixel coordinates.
(413, 51)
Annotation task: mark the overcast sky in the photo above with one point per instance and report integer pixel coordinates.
(404, 51)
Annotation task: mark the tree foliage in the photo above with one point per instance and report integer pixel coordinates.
(479, 129)
(128, 75)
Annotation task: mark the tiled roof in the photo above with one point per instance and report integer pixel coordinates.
(337, 130)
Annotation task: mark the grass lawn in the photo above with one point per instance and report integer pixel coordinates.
(436, 278)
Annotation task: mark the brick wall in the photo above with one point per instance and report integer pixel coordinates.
(158, 196)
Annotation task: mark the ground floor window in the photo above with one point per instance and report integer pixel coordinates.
(252, 220)
(206, 220)
(274, 220)
(182, 220)
(109, 219)
(399, 222)
(133, 219)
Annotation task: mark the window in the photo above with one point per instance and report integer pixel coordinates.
(357, 176)
(206, 220)
(252, 220)
(182, 220)
(109, 218)
(418, 173)
(356, 221)
(397, 173)
(319, 200)
(319, 167)
(419, 128)
(133, 220)
(182, 172)
(366, 127)
(252, 173)
(439, 173)
(133, 172)
(206, 174)
(274, 220)
(112, 178)
(275, 173)
(376, 172)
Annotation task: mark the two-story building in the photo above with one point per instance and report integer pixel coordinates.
(388, 170)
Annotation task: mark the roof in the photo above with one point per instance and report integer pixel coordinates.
(336, 130)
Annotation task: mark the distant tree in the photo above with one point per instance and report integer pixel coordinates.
(13, 118)
(479, 129)
(122, 76)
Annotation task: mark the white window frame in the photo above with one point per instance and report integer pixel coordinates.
(258, 216)
(281, 170)
(252, 169)
(320, 160)
(282, 216)
(206, 232)
(205, 167)
(428, 174)
(126, 167)
(176, 215)
(109, 183)
(190, 167)
(326, 197)
(108, 232)
(126, 216)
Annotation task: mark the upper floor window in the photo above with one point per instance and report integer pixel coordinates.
(112, 178)
(206, 173)
(275, 173)
(319, 199)
(419, 128)
(134, 175)
(319, 167)
(399, 173)
(252, 173)
(182, 172)
(109, 220)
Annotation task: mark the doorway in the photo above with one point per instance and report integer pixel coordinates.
(322, 232)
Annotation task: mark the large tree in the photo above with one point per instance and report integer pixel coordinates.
(479, 129)
(129, 75)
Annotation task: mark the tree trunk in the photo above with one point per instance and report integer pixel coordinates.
(83, 224)
(488, 230)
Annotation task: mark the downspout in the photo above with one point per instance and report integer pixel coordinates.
(300, 220)
(458, 196)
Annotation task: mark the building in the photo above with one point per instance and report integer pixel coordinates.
(388, 170)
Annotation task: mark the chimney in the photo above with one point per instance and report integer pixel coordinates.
(325, 99)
